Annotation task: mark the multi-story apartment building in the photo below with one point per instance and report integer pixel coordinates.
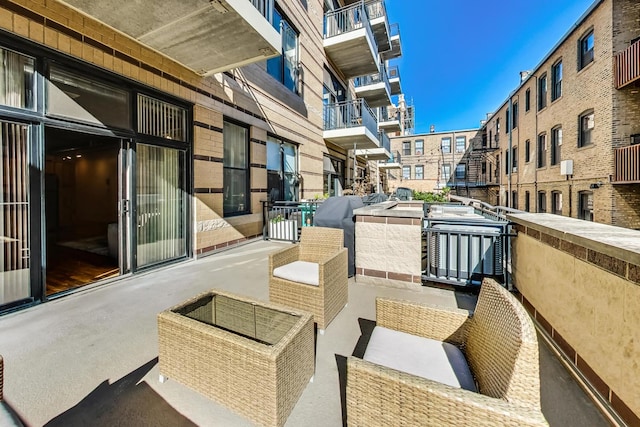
(136, 134)
(566, 140)
(432, 161)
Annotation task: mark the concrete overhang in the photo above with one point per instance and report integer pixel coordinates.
(354, 53)
(394, 84)
(396, 48)
(389, 126)
(389, 166)
(346, 138)
(374, 153)
(206, 36)
(376, 94)
(380, 27)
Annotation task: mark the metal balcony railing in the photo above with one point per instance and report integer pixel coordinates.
(627, 164)
(394, 72)
(394, 30)
(376, 9)
(346, 19)
(627, 66)
(372, 79)
(349, 114)
(385, 142)
(265, 7)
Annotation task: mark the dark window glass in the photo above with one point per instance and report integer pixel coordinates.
(284, 68)
(587, 124)
(556, 203)
(236, 169)
(542, 201)
(527, 100)
(585, 205)
(406, 148)
(586, 50)
(527, 151)
(515, 116)
(556, 143)
(527, 201)
(556, 83)
(542, 150)
(542, 92)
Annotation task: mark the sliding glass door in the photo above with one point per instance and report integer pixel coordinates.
(14, 224)
(160, 204)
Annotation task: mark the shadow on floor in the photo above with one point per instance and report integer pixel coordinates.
(125, 402)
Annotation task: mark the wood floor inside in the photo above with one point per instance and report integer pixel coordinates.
(69, 268)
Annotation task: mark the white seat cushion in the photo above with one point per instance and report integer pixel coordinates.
(299, 271)
(423, 357)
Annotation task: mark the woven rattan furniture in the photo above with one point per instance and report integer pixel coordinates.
(255, 358)
(325, 247)
(501, 348)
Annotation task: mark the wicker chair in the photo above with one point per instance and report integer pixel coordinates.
(320, 248)
(500, 345)
(8, 417)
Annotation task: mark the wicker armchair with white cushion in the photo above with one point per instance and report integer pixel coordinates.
(312, 275)
(8, 417)
(430, 366)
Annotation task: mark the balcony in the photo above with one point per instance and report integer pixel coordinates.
(350, 124)
(392, 163)
(349, 41)
(396, 46)
(627, 66)
(381, 153)
(379, 24)
(205, 36)
(374, 88)
(394, 80)
(627, 165)
(387, 121)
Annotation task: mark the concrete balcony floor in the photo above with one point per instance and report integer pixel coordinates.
(91, 358)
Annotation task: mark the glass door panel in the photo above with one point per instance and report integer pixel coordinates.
(160, 204)
(14, 225)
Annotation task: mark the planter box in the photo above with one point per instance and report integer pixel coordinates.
(284, 230)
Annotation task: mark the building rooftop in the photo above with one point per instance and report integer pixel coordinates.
(91, 358)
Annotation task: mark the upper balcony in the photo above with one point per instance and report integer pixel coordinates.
(394, 80)
(381, 153)
(379, 24)
(627, 66)
(388, 121)
(349, 41)
(205, 36)
(627, 165)
(396, 45)
(350, 124)
(375, 88)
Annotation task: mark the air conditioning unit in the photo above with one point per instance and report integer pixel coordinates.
(566, 167)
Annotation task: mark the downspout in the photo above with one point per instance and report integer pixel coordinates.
(510, 152)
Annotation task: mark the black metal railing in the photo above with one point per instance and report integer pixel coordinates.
(284, 220)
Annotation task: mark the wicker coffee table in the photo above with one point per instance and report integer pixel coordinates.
(255, 358)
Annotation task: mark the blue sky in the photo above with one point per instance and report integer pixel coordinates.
(461, 58)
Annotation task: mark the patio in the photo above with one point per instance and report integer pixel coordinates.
(91, 358)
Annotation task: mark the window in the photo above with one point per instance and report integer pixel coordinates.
(333, 172)
(497, 168)
(556, 143)
(483, 178)
(542, 150)
(514, 123)
(282, 170)
(556, 81)
(497, 126)
(419, 147)
(236, 169)
(527, 100)
(406, 148)
(542, 92)
(527, 151)
(284, 68)
(542, 201)
(556, 202)
(527, 201)
(461, 171)
(507, 121)
(585, 205)
(161, 119)
(406, 172)
(514, 199)
(585, 50)
(446, 172)
(446, 145)
(506, 162)
(18, 84)
(461, 144)
(514, 159)
(586, 126)
(419, 172)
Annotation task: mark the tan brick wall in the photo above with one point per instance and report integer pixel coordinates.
(249, 95)
(616, 112)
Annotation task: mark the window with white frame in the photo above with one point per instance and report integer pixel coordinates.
(419, 173)
(419, 150)
(445, 145)
(406, 172)
(587, 123)
(461, 144)
(445, 174)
